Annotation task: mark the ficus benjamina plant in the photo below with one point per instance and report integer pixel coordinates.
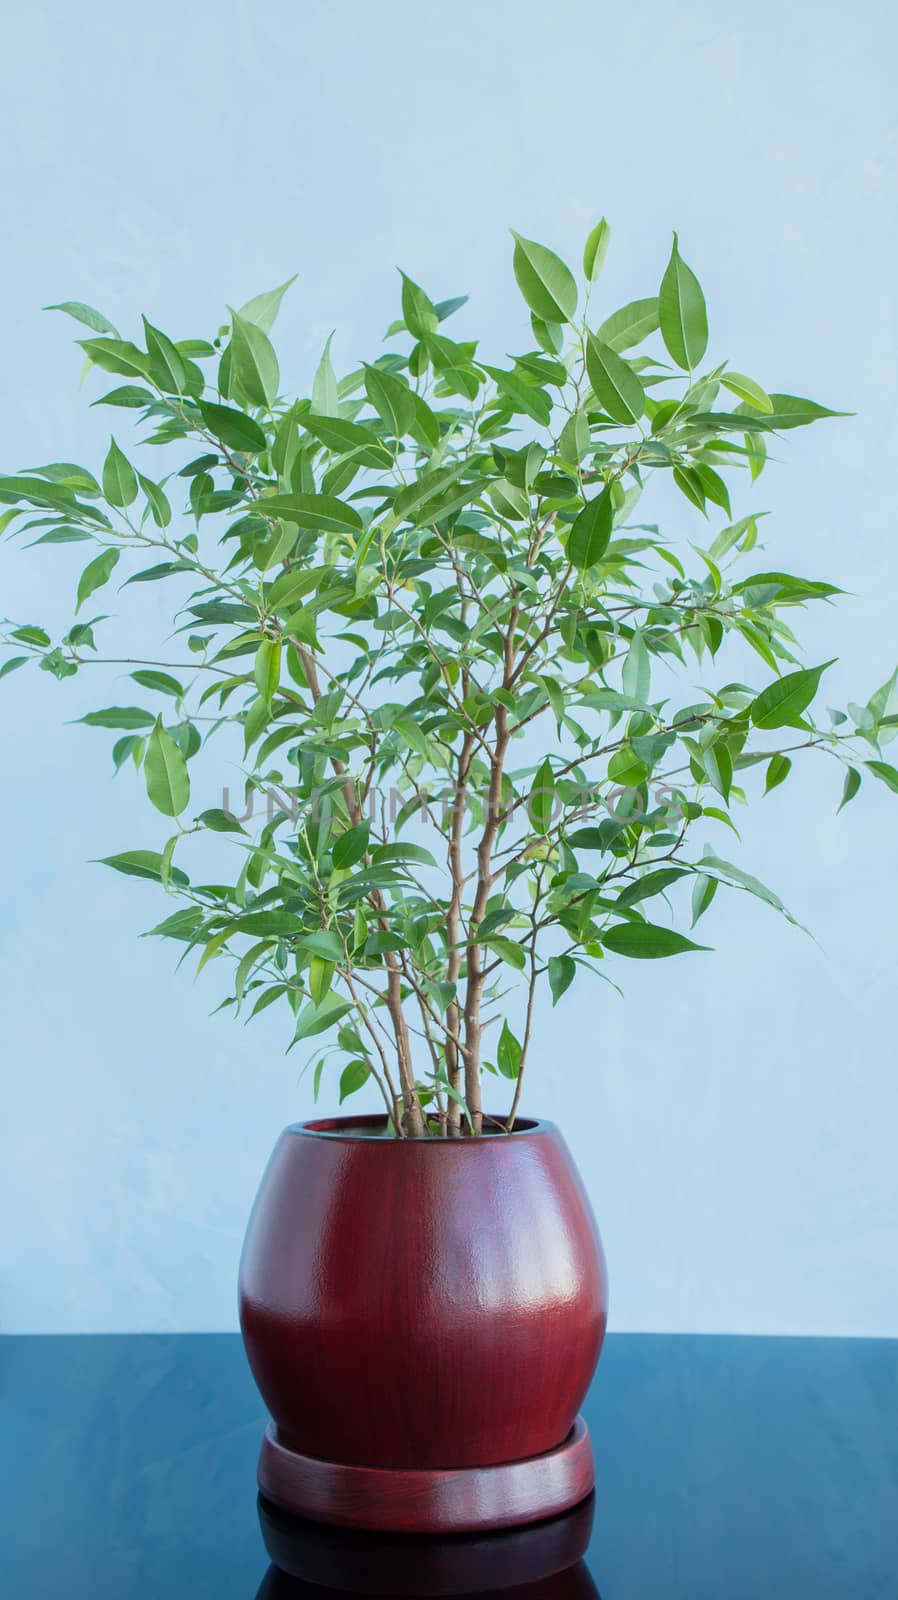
(489, 699)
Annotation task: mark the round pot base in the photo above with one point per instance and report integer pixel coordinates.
(405, 1500)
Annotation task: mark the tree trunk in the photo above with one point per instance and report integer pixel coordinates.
(475, 951)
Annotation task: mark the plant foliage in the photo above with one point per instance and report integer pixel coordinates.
(423, 597)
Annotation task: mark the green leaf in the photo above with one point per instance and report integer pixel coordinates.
(353, 1077)
(588, 839)
(263, 308)
(718, 765)
(591, 532)
(562, 971)
(442, 501)
(87, 315)
(548, 335)
(506, 949)
(541, 805)
(119, 717)
(195, 349)
(289, 589)
(351, 845)
(508, 1053)
(12, 665)
(746, 389)
(636, 673)
(626, 768)
(429, 487)
(219, 821)
(281, 924)
(782, 703)
(267, 998)
(57, 663)
(728, 537)
(325, 399)
(313, 511)
(521, 396)
(643, 941)
(703, 891)
(165, 771)
(267, 669)
(756, 452)
(744, 880)
(119, 478)
(40, 492)
(164, 569)
(321, 975)
(95, 574)
(778, 770)
(31, 635)
(448, 308)
(614, 383)
(157, 501)
(546, 283)
(253, 362)
(403, 852)
(884, 701)
(469, 539)
(317, 1019)
(595, 250)
(142, 864)
(787, 587)
(791, 411)
(392, 400)
(166, 863)
(117, 355)
(713, 486)
(682, 314)
(341, 437)
(168, 364)
(234, 428)
(629, 326)
(721, 816)
(733, 421)
(418, 311)
(650, 884)
(60, 536)
(410, 734)
(326, 943)
(255, 722)
(850, 788)
(180, 925)
(690, 484)
(886, 774)
(130, 396)
(131, 745)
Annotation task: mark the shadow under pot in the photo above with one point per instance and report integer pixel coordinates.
(423, 1318)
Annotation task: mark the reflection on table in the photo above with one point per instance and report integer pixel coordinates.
(540, 1562)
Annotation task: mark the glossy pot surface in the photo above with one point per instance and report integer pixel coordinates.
(422, 1303)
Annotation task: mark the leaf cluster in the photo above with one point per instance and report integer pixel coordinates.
(488, 740)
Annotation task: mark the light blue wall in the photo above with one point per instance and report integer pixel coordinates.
(735, 1117)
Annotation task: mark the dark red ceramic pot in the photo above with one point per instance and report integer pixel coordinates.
(423, 1318)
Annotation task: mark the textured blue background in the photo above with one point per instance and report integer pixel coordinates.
(735, 1116)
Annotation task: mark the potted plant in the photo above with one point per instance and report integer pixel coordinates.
(460, 667)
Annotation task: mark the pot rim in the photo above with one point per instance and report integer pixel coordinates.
(352, 1130)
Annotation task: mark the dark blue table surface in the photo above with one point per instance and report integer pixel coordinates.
(726, 1467)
